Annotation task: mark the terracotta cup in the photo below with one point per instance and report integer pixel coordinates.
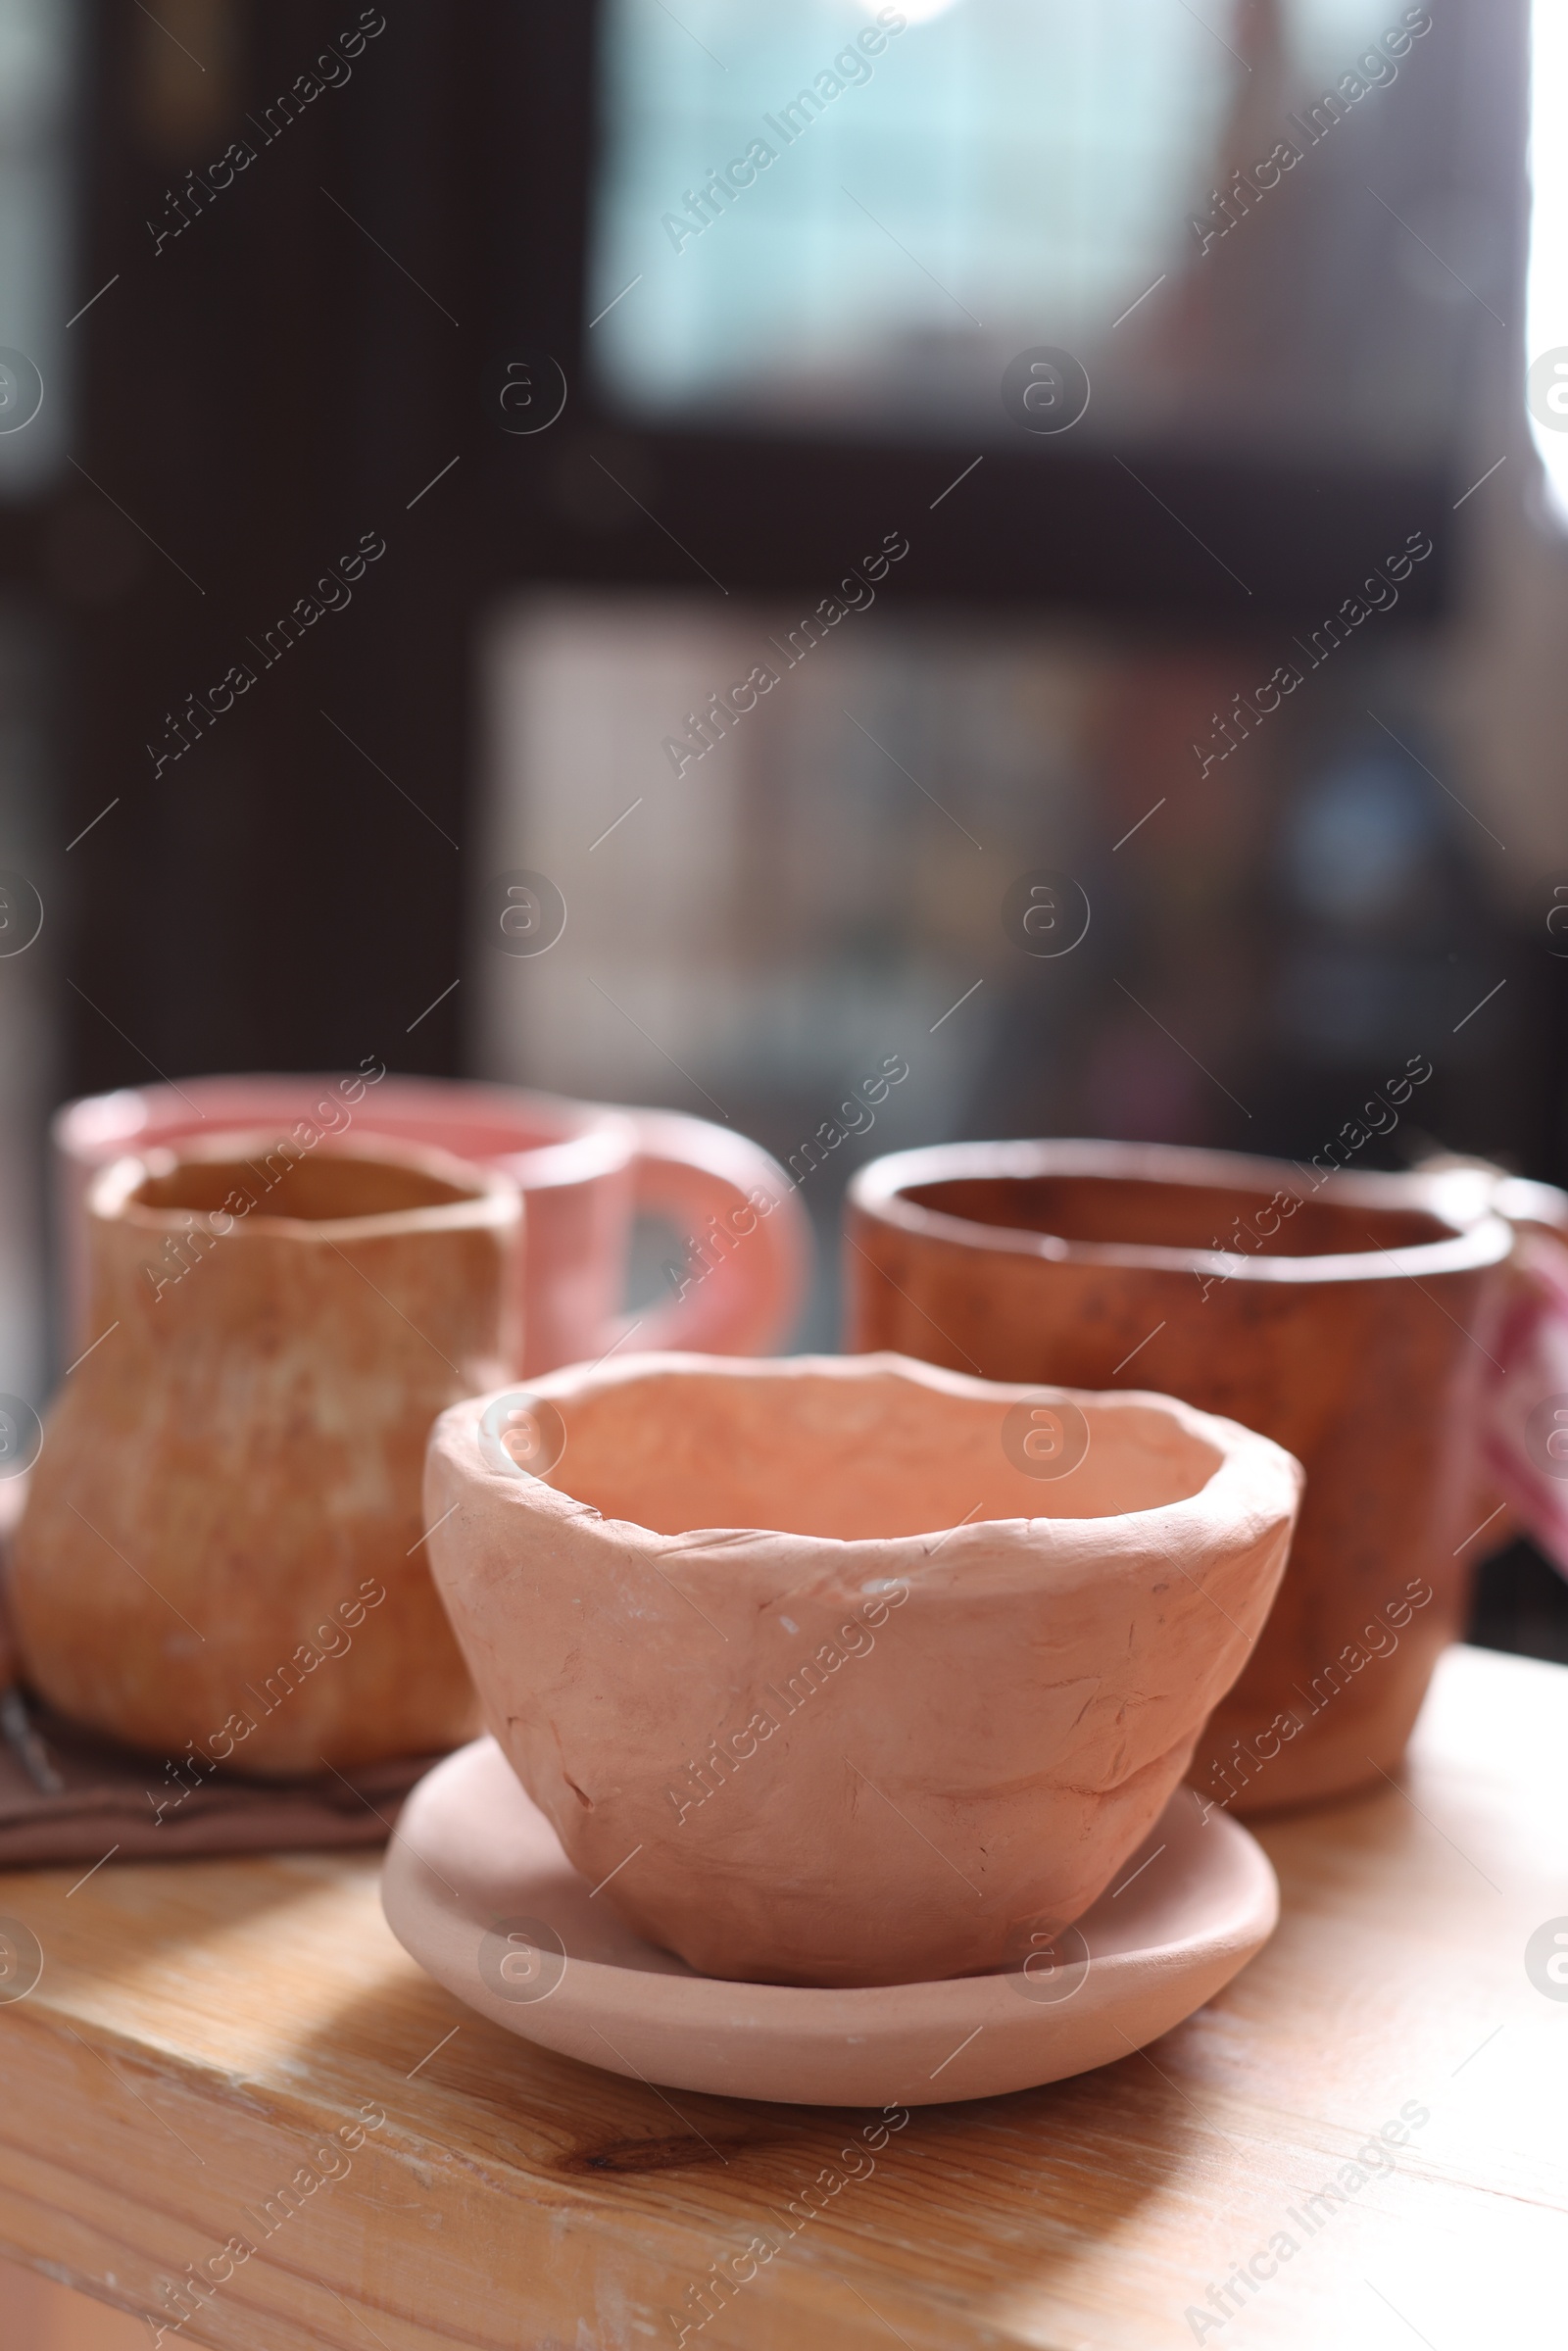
(846, 1671)
(1354, 1324)
(585, 1169)
(220, 1558)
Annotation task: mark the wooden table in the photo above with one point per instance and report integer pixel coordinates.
(201, 2030)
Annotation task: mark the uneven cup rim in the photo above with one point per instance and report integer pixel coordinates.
(492, 1200)
(1248, 1463)
(593, 1138)
(879, 1192)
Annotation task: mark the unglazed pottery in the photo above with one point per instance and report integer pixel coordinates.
(1353, 1320)
(817, 1675)
(744, 1255)
(222, 1543)
(477, 1888)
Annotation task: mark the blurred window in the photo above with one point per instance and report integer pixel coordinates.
(37, 61)
(1546, 292)
(887, 230)
(38, 51)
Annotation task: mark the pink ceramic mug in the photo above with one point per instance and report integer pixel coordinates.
(585, 1169)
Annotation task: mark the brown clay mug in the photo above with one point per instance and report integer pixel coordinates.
(222, 1554)
(1353, 1322)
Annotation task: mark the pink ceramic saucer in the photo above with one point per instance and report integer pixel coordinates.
(478, 1890)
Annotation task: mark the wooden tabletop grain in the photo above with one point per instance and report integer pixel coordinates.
(230, 2072)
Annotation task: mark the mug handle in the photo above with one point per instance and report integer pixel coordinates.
(1528, 1352)
(1533, 1346)
(740, 1295)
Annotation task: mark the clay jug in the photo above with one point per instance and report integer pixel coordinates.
(220, 1558)
(586, 1170)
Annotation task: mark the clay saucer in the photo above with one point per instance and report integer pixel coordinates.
(971, 1674)
(477, 1889)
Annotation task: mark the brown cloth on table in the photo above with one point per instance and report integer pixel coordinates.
(111, 1797)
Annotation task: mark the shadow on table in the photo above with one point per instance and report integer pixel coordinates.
(967, 2205)
(129, 1918)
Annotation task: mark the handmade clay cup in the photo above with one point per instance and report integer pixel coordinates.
(1353, 1322)
(838, 1671)
(586, 1169)
(221, 1542)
